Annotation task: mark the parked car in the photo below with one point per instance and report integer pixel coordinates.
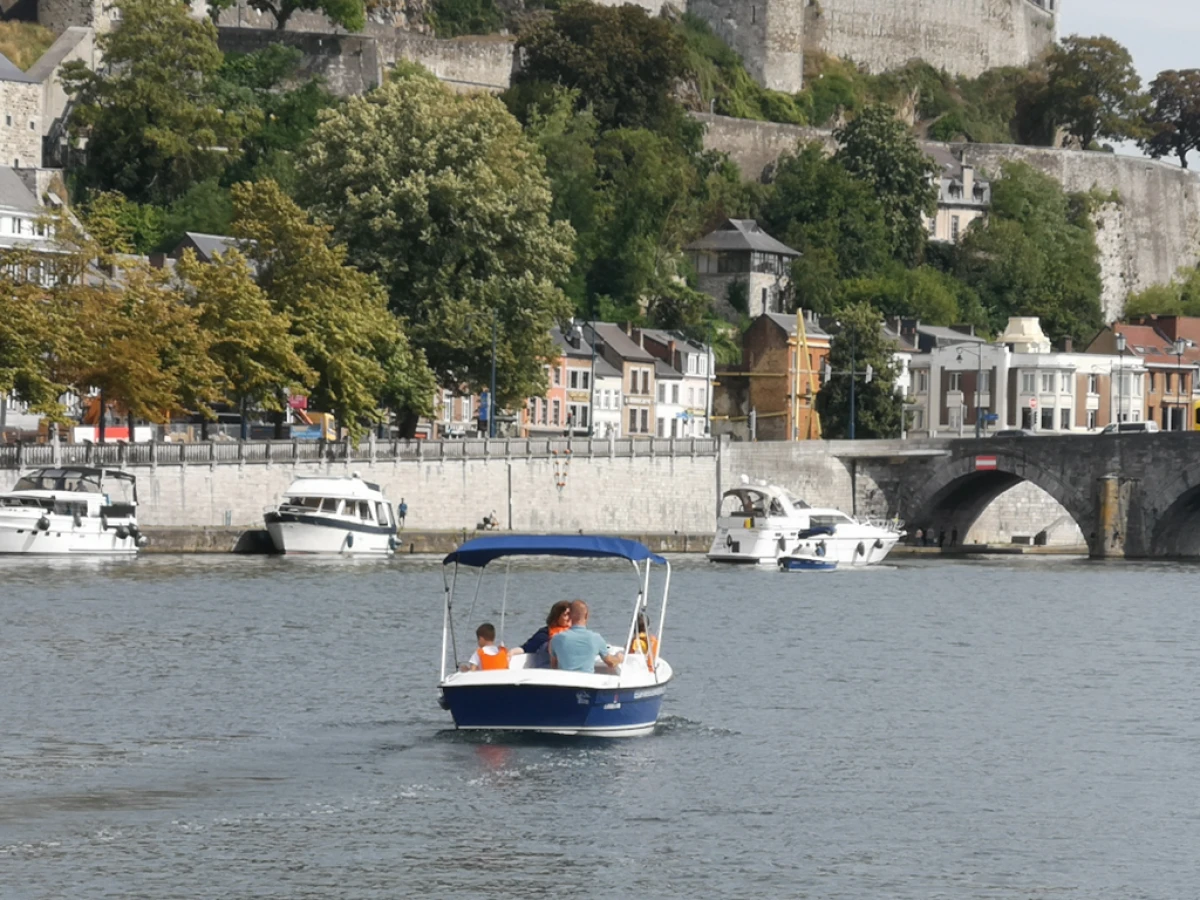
(1014, 433)
(1130, 428)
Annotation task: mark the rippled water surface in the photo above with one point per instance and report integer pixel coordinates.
(254, 727)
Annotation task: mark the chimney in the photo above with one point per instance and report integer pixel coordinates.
(158, 260)
(968, 179)
(1068, 345)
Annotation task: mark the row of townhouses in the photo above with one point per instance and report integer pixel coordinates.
(956, 383)
(607, 382)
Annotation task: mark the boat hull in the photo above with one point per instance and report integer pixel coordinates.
(556, 709)
(309, 535)
(62, 538)
(766, 547)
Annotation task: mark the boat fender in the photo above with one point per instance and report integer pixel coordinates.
(820, 548)
(729, 540)
(860, 549)
(134, 532)
(122, 532)
(782, 543)
(77, 519)
(350, 540)
(391, 543)
(878, 544)
(142, 541)
(44, 523)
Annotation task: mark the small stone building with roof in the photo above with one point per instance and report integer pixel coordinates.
(743, 268)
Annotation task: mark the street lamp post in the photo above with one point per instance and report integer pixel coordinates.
(1120, 378)
(868, 374)
(492, 390)
(978, 382)
(1180, 346)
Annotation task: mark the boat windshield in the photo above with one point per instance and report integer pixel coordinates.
(118, 487)
(829, 520)
(751, 502)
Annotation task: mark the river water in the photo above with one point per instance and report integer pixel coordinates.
(259, 727)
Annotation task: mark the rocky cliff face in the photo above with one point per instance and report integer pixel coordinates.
(408, 15)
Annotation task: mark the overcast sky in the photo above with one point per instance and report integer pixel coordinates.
(1161, 34)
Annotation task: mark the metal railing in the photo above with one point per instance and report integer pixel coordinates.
(214, 453)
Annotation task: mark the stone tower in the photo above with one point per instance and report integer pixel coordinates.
(767, 34)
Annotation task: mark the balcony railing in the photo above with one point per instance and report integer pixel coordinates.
(221, 453)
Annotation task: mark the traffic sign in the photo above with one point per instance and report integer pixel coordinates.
(1033, 402)
(985, 464)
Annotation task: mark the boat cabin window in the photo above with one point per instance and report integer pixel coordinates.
(35, 502)
(829, 521)
(744, 502)
(381, 512)
(330, 505)
(302, 502)
(365, 512)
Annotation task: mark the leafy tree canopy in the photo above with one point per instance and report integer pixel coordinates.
(1179, 298)
(878, 409)
(1173, 119)
(881, 152)
(1036, 257)
(1093, 89)
(150, 120)
(445, 199)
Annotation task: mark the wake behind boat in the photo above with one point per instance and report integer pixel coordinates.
(760, 523)
(71, 511)
(624, 701)
(332, 515)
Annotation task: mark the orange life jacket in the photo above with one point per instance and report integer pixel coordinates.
(558, 629)
(640, 645)
(491, 661)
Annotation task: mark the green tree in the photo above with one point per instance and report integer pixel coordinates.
(121, 226)
(623, 63)
(880, 151)
(1179, 298)
(1036, 257)
(251, 342)
(445, 199)
(148, 116)
(339, 320)
(878, 409)
(830, 216)
(1093, 89)
(922, 293)
(452, 18)
(1173, 120)
(30, 336)
(350, 14)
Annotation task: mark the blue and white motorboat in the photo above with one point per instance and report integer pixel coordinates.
(800, 562)
(606, 702)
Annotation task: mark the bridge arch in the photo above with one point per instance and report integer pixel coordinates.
(961, 486)
(1173, 513)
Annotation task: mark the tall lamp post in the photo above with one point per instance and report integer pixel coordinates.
(1179, 348)
(978, 351)
(1120, 378)
(868, 374)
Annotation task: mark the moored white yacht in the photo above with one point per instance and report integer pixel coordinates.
(760, 522)
(71, 511)
(345, 516)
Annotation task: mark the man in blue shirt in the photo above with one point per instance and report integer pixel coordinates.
(576, 649)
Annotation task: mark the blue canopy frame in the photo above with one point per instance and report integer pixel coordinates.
(481, 551)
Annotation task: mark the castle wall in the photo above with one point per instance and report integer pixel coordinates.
(20, 124)
(964, 37)
(768, 35)
(59, 15)
(1150, 232)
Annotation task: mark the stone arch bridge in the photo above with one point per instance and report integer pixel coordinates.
(1132, 495)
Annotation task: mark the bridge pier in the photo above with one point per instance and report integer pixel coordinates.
(1112, 518)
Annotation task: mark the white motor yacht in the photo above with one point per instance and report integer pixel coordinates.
(345, 516)
(760, 522)
(71, 511)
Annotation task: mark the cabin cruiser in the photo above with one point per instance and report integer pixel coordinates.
(345, 516)
(760, 523)
(71, 511)
(623, 701)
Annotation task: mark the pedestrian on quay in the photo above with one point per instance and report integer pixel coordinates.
(941, 538)
(953, 537)
(402, 512)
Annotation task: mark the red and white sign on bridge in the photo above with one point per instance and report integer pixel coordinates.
(985, 464)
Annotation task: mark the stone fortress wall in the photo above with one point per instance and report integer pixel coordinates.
(964, 37)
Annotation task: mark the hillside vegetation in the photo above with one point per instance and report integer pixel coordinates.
(24, 42)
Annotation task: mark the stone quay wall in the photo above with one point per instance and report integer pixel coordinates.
(632, 487)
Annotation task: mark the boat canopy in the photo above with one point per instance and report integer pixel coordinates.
(482, 551)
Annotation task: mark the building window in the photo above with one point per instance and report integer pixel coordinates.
(557, 376)
(1048, 380)
(922, 379)
(692, 397)
(8, 120)
(1047, 418)
(1091, 418)
(32, 125)
(918, 420)
(954, 228)
(556, 416)
(660, 426)
(633, 421)
(646, 382)
(544, 407)
(573, 379)
(1065, 418)
(1027, 383)
(645, 421)
(1137, 382)
(662, 393)
(584, 416)
(954, 381)
(1169, 377)
(1093, 384)
(675, 394)
(1066, 382)
(586, 380)
(985, 382)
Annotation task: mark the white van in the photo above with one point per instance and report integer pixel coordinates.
(1130, 428)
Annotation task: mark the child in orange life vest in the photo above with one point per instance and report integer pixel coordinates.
(644, 642)
(488, 656)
